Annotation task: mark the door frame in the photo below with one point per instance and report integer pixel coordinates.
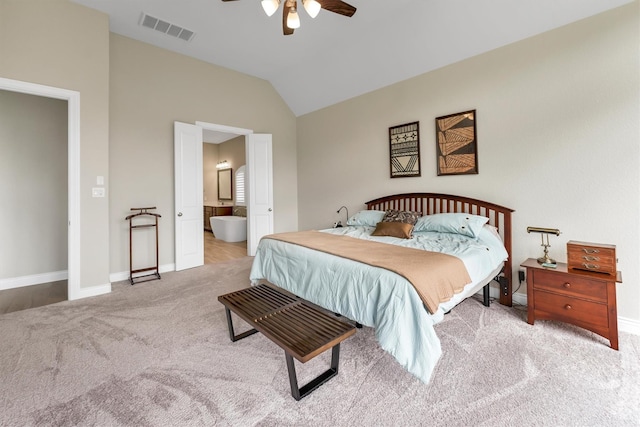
(236, 131)
(73, 141)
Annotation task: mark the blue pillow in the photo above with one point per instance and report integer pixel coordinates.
(458, 223)
(366, 218)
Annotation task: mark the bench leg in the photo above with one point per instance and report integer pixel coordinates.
(299, 393)
(232, 335)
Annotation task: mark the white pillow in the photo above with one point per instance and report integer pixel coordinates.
(458, 223)
(491, 231)
(366, 218)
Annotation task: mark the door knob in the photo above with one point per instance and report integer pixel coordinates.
(179, 213)
(270, 209)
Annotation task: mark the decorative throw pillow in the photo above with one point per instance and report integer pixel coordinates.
(407, 217)
(401, 230)
(459, 223)
(366, 218)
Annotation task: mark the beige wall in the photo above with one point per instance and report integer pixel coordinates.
(60, 44)
(558, 133)
(150, 89)
(33, 185)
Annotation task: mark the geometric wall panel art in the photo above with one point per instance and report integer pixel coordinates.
(457, 147)
(404, 150)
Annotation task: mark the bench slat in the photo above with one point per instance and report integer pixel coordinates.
(299, 328)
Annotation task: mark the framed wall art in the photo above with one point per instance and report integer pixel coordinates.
(457, 144)
(404, 150)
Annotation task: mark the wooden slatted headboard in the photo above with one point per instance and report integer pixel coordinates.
(432, 203)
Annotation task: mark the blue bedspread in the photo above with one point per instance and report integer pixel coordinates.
(374, 296)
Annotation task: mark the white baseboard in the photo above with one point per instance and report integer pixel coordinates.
(519, 298)
(495, 294)
(91, 291)
(629, 325)
(624, 325)
(33, 279)
(124, 275)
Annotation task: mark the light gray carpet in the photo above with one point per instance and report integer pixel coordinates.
(158, 354)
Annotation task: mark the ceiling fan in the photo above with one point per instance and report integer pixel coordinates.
(290, 18)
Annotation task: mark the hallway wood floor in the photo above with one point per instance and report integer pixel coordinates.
(49, 293)
(32, 296)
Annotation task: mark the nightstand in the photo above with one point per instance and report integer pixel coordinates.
(584, 299)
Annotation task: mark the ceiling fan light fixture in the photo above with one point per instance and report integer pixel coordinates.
(312, 7)
(293, 20)
(270, 6)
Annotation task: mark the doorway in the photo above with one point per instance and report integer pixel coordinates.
(259, 181)
(72, 232)
(189, 201)
(223, 153)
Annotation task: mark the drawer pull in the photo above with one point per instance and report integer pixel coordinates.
(567, 285)
(590, 258)
(568, 307)
(591, 251)
(591, 266)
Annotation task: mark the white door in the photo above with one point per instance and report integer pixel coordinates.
(260, 189)
(189, 195)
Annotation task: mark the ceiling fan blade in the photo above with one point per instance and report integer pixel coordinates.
(338, 6)
(285, 13)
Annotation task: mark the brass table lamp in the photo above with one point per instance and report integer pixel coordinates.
(545, 259)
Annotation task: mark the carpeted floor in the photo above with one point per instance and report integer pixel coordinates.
(158, 354)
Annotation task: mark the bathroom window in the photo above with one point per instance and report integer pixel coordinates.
(240, 198)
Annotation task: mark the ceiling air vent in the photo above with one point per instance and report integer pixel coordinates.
(166, 27)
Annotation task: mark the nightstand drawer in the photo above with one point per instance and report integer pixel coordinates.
(591, 257)
(570, 284)
(572, 310)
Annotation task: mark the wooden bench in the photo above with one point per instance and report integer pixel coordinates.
(300, 329)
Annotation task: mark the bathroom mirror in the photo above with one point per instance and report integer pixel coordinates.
(225, 183)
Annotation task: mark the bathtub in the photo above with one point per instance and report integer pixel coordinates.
(229, 228)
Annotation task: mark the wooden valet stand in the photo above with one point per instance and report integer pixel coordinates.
(155, 273)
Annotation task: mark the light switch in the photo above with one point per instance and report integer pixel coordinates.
(97, 192)
(100, 180)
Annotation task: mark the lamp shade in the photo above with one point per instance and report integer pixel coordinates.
(312, 7)
(270, 6)
(293, 20)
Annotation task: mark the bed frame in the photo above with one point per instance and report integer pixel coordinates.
(433, 203)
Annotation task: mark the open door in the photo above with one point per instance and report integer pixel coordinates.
(188, 195)
(260, 189)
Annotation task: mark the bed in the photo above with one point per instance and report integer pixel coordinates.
(382, 298)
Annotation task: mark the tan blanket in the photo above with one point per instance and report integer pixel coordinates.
(435, 276)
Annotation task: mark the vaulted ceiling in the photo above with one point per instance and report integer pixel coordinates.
(333, 58)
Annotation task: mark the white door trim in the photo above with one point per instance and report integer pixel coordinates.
(73, 135)
(223, 128)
